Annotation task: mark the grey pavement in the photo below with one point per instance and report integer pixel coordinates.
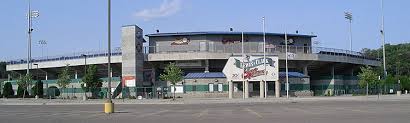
(256, 100)
(388, 109)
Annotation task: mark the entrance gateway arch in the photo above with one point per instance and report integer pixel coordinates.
(252, 68)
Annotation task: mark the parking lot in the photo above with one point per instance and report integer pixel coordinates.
(288, 112)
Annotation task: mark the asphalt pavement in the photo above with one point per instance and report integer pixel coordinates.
(317, 110)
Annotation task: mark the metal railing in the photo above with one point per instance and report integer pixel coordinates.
(220, 48)
(254, 48)
(76, 55)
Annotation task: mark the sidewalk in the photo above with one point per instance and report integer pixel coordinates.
(255, 100)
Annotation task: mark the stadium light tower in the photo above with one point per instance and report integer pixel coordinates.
(30, 15)
(349, 16)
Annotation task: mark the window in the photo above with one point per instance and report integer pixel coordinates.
(211, 87)
(220, 87)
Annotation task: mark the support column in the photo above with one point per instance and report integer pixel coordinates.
(277, 89)
(261, 89)
(206, 66)
(305, 70)
(75, 75)
(246, 89)
(153, 73)
(333, 80)
(230, 90)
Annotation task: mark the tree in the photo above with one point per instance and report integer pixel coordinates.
(404, 82)
(8, 90)
(368, 77)
(92, 81)
(64, 78)
(37, 89)
(173, 74)
(24, 82)
(3, 72)
(22, 92)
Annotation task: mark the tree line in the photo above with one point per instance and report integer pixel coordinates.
(397, 67)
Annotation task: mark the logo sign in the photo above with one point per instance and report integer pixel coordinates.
(181, 41)
(252, 68)
(291, 55)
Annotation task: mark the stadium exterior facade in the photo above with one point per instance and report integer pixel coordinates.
(202, 56)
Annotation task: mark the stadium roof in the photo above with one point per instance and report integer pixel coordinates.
(223, 33)
(204, 75)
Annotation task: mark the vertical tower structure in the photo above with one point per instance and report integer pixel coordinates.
(132, 55)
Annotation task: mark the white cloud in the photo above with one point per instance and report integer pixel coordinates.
(167, 8)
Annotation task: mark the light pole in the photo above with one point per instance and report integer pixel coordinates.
(243, 67)
(42, 44)
(383, 42)
(264, 57)
(109, 106)
(349, 16)
(286, 62)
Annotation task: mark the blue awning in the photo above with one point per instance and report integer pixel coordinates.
(204, 75)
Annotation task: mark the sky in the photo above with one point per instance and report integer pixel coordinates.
(70, 26)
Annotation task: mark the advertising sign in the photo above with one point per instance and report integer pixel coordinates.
(253, 67)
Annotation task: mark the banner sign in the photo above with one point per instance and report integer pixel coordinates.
(252, 68)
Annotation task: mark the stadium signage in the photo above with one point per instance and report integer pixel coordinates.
(181, 41)
(252, 69)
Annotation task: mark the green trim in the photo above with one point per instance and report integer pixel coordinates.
(54, 81)
(296, 87)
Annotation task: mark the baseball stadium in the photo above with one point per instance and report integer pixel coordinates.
(202, 56)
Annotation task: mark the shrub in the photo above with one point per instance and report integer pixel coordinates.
(20, 92)
(8, 90)
(53, 91)
(37, 89)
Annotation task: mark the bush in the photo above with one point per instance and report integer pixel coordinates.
(8, 90)
(37, 89)
(53, 91)
(20, 92)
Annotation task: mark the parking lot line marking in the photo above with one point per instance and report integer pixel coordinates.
(354, 110)
(155, 113)
(202, 113)
(297, 109)
(253, 112)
